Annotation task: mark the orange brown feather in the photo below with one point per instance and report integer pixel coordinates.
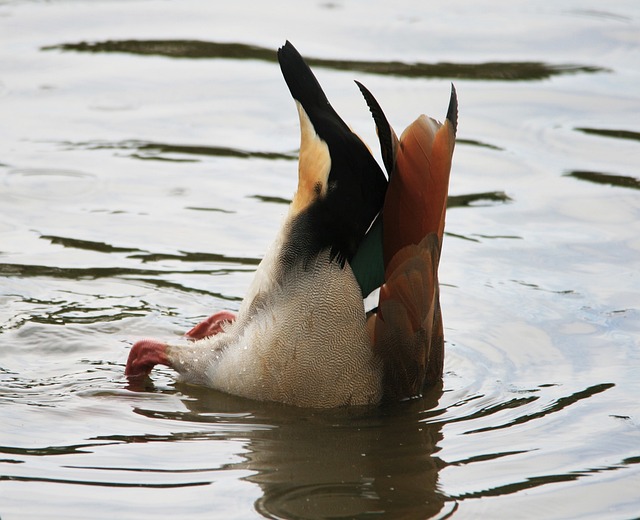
(406, 319)
(407, 331)
(416, 198)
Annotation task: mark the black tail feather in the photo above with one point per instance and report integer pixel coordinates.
(355, 186)
(306, 89)
(386, 135)
(452, 111)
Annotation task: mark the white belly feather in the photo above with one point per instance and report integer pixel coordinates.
(305, 344)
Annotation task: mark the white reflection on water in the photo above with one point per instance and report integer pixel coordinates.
(140, 189)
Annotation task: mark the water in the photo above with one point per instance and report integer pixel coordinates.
(145, 166)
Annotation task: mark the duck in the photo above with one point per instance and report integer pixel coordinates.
(302, 336)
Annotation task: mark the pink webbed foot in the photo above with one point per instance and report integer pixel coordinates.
(211, 326)
(144, 355)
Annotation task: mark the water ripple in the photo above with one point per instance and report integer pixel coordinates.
(93, 273)
(110, 483)
(554, 407)
(197, 49)
(50, 183)
(540, 480)
(607, 132)
(75, 243)
(167, 151)
(621, 181)
(458, 201)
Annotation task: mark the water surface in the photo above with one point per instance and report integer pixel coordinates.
(147, 154)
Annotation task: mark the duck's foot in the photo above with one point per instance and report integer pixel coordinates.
(144, 355)
(211, 326)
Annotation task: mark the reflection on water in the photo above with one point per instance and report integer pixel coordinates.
(331, 464)
(323, 464)
(87, 244)
(166, 152)
(456, 201)
(607, 178)
(618, 134)
(512, 71)
(121, 224)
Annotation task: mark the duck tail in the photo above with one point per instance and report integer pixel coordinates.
(341, 188)
(408, 330)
